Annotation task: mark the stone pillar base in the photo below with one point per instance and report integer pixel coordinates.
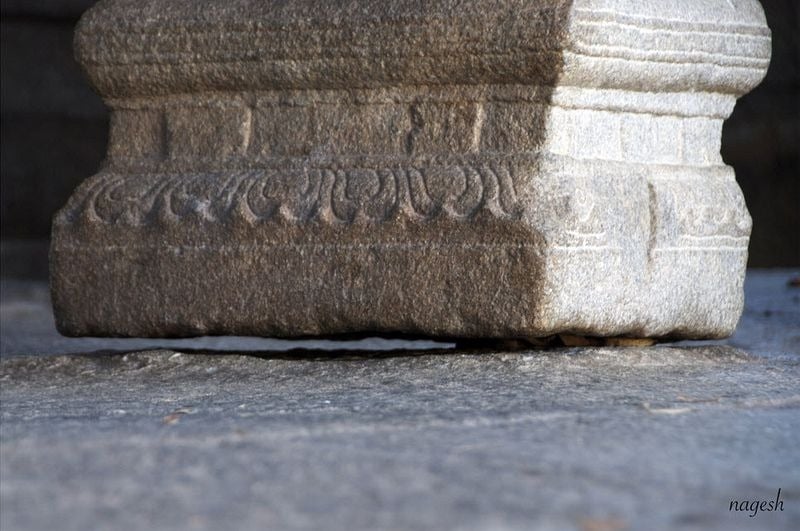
(425, 170)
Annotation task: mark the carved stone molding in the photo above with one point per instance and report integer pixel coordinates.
(484, 168)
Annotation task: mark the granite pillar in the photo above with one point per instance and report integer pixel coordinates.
(490, 168)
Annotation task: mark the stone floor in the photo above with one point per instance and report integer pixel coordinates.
(238, 433)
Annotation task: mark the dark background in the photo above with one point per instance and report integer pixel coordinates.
(54, 132)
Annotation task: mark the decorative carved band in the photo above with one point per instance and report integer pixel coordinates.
(574, 207)
(331, 195)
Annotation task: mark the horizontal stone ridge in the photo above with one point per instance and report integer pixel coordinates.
(336, 193)
(239, 131)
(318, 44)
(677, 208)
(137, 48)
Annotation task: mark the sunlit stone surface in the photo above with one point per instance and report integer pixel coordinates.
(490, 168)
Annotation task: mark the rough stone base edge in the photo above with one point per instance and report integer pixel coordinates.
(143, 287)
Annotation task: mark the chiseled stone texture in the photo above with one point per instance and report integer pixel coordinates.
(491, 168)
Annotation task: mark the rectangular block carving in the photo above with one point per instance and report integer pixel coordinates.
(488, 168)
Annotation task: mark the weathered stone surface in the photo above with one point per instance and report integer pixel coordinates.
(245, 437)
(488, 168)
(770, 326)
